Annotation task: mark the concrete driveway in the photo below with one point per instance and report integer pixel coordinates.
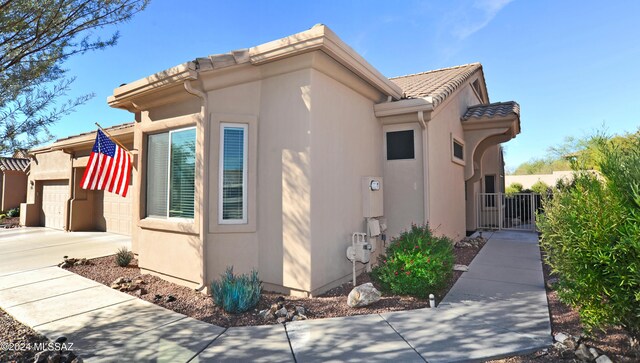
(30, 248)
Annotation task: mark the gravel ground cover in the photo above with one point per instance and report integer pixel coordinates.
(199, 306)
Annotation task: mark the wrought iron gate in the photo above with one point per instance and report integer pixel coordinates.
(508, 211)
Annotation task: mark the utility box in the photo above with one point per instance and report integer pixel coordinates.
(372, 197)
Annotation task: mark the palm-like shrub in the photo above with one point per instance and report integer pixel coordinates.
(236, 293)
(416, 263)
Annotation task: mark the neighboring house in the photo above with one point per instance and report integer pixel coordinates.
(264, 158)
(13, 182)
(527, 181)
(54, 197)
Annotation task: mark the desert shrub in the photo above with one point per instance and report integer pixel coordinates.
(591, 234)
(15, 212)
(123, 257)
(236, 293)
(514, 188)
(540, 187)
(416, 263)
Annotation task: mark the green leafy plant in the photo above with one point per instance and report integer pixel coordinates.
(236, 293)
(15, 212)
(416, 263)
(540, 187)
(591, 235)
(514, 188)
(123, 257)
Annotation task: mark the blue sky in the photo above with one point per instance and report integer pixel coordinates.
(572, 65)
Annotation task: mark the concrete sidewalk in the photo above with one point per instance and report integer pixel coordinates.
(497, 308)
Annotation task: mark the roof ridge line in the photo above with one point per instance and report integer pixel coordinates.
(438, 70)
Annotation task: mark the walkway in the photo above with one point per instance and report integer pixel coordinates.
(497, 308)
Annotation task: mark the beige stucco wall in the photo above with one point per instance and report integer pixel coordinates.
(528, 180)
(404, 183)
(446, 178)
(346, 145)
(13, 189)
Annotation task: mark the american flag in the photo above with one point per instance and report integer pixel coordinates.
(108, 168)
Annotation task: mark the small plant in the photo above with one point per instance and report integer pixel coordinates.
(236, 293)
(540, 187)
(15, 212)
(123, 257)
(416, 263)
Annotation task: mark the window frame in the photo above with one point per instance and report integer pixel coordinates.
(245, 169)
(413, 142)
(168, 180)
(455, 159)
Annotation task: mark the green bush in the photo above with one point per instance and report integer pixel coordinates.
(591, 234)
(123, 257)
(416, 263)
(15, 212)
(236, 293)
(514, 188)
(540, 187)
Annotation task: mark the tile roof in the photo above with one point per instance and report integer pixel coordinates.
(112, 128)
(498, 109)
(437, 84)
(14, 164)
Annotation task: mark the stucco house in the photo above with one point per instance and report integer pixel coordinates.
(13, 182)
(272, 157)
(55, 198)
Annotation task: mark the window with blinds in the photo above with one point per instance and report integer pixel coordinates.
(233, 174)
(171, 165)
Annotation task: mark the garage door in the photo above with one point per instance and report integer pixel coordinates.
(117, 213)
(54, 198)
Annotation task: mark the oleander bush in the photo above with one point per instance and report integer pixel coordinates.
(591, 235)
(15, 212)
(416, 263)
(236, 293)
(123, 257)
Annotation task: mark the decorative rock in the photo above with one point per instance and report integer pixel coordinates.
(41, 357)
(560, 337)
(463, 268)
(594, 353)
(282, 320)
(265, 314)
(281, 313)
(115, 286)
(64, 265)
(363, 295)
(299, 317)
(583, 353)
(603, 359)
(54, 357)
(139, 281)
(141, 292)
(551, 282)
(300, 310)
(120, 280)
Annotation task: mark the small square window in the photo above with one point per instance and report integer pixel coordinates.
(458, 150)
(400, 145)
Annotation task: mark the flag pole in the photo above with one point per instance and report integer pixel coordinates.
(113, 139)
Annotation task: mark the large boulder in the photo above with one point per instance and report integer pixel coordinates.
(363, 295)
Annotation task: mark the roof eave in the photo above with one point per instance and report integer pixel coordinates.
(123, 96)
(403, 107)
(320, 37)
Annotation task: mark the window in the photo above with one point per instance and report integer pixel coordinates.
(232, 207)
(457, 150)
(171, 166)
(400, 145)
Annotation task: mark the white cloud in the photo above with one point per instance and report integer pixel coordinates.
(477, 17)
